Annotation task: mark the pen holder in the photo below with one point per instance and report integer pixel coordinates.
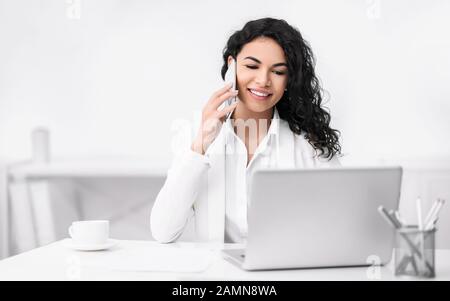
(414, 252)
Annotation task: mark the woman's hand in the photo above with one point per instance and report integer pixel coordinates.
(212, 119)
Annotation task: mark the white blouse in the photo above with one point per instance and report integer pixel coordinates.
(210, 192)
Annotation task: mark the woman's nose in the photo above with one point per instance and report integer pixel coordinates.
(263, 79)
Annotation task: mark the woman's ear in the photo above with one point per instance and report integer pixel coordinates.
(229, 60)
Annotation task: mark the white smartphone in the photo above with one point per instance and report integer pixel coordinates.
(230, 77)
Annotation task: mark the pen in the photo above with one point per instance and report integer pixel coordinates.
(431, 212)
(419, 213)
(394, 223)
(394, 216)
(420, 226)
(435, 215)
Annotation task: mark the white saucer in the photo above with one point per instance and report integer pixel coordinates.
(91, 247)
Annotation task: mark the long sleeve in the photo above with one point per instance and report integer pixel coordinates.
(173, 207)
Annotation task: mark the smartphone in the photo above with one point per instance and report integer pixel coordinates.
(230, 77)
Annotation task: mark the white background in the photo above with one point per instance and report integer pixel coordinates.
(109, 78)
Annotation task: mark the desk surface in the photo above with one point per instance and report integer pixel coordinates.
(58, 262)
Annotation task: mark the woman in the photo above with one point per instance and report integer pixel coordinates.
(278, 122)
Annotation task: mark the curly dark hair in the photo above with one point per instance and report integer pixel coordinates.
(300, 105)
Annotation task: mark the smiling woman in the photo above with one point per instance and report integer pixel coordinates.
(277, 122)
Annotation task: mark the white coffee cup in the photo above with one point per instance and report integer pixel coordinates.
(89, 232)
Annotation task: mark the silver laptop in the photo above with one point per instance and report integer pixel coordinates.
(323, 217)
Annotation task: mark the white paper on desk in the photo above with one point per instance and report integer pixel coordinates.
(155, 259)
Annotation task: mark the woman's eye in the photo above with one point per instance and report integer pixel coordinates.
(276, 72)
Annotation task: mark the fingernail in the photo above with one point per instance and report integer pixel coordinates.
(235, 92)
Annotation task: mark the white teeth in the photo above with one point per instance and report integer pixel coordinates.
(258, 93)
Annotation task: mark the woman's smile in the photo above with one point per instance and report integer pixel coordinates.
(259, 94)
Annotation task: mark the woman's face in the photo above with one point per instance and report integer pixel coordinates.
(261, 74)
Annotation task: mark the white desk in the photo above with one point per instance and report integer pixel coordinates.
(57, 262)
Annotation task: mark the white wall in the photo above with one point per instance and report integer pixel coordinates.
(112, 82)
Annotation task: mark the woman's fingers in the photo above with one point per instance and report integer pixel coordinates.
(221, 91)
(218, 98)
(214, 104)
(222, 113)
(212, 119)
